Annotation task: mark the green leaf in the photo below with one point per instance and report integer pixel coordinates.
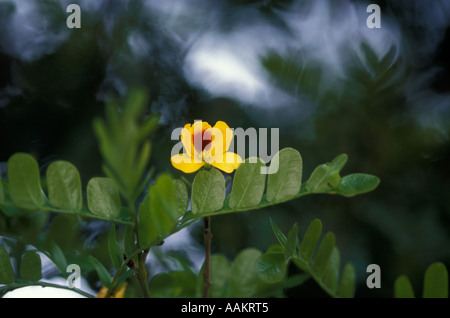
(115, 252)
(174, 284)
(325, 267)
(6, 270)
(248, 184)
(24, 181)
(129, 241)
(285, 175)
(271, 267)
(338, 163)
(357, 183)
(292, 74)
(436, 281)
(123, 142)
(291, 244)
(31, 267)
(331, 278)
(102, 272)
(58, 258)
(208, 191)
(348, 281)
(323, 254)
(310, 239)
(295, 280)
(244, 280)
(64, 186)
(63, 230)
(316, 182)
(103, 197)
(323, 179)
(2, 195)
(159, 212)
(182, 197)
(279, 234)
(370, 55)
(326, 176)
(219, 274)
(403, 287)
(7, 209)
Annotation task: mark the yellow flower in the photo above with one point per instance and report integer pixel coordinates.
(208, 145)
(118, 293)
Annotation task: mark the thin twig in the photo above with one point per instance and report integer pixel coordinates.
(206, 267)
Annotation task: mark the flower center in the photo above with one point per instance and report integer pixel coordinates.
(201, 140)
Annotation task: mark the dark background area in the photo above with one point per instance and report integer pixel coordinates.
(389, 111)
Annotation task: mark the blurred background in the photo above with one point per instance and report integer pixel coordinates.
(313, 69)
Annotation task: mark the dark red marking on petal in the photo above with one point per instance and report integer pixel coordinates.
(204, 136)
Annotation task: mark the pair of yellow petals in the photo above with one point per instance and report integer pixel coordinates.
(206, 145)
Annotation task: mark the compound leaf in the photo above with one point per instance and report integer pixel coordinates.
(325, 266)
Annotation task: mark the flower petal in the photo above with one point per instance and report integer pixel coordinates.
(198, 139)
(221, 136)
(227, 134)
(185, 163)
(186, 139)
(227, 162)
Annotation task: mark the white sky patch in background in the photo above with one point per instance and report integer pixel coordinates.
(325, 30)
(181, 240)
(44, 292)
(228, 64)
(222, 72)
(31, 33)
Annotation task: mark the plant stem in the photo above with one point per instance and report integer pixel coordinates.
(142, 274)
(83, 213)
(206, 267)
(226, 209)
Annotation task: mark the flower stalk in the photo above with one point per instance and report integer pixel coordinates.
(207, 265)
